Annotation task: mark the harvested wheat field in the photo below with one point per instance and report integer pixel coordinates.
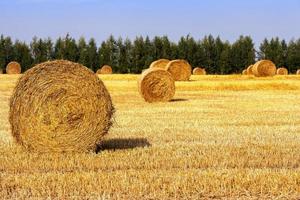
(221, 137)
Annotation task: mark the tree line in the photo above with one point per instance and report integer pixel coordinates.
(132, 56)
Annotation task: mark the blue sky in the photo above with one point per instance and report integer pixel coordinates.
(23, 19)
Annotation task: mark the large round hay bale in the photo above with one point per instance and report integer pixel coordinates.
(199, 71)
(60, 106)
(264, 68)
(181, 70)
(105, 69)
(13, 68)
(161, 63)
(249, 70)
(244, 72)
(282, 71)
(298, 72)
(156, 85)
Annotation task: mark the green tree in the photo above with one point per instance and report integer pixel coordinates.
(22, 55)
(284, 48)
(50, 50)
(138, 55)
(188, 49)
(2, 53)
(219, 47)
(70, 49)
(59, 49)
(224, 59)
(293, 55)
(242, 54)
(6, 51)
(82, 51)
(148, 53)
(121, 57)
(39, 50)
(174, 52)
(274, 50)
(158, 48)
(128, 56)
(208, 44)
(167, 51)
(262, 49)
(92, 61)
(199, 55)
(66, 48)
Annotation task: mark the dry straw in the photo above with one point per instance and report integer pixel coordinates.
(105, 69)
(13, 68)
(282, 71)
(249, 70)
(244, 72)
(199, 71)
(60, 106)
(298, 72)
(264, 68)
(181, 70)
(156, 85)
(161, 63)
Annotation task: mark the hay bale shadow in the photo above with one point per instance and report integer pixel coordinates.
(122, 143)
(178, 100)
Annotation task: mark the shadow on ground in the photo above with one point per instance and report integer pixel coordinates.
(123, 143)
(177, 100)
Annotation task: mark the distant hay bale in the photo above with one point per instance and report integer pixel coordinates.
(1, 71)
(60, 106)
(298, 72)
(264, 68)
(161, 63)
(199, 71)
(181, 70)
(282, 71)
(105, 69)
(249, 70)
(13, 68)
(244, 72)
(156, 85)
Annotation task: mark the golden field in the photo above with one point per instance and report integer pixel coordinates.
(222, 137)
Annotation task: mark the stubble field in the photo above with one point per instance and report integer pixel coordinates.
(222, 137)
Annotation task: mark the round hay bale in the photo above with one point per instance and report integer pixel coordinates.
(249, 70)
(161, 63)
(1, 71)
(282, 71)
(13, 68)
(244, 72)
(181, 70)
(98, 71)
(199, 71)
(105, 69)
(156, 85)
(60, 106)
(264, 68)
(298, 72)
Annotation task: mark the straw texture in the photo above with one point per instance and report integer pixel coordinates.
(161, 63)
(13, 68)
(264, 68)
(199, 71)
(60, 106)
(181, 70)
(156, 85)
(282, 71)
